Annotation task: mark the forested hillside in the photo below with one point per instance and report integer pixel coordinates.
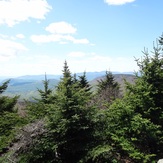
(27, 86)
(74, 124)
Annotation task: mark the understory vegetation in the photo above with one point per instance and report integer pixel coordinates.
(75, 125)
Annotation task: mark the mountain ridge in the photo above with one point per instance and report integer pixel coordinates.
(27, 86)
(89, 75)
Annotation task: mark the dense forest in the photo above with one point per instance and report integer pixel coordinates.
(74, 124)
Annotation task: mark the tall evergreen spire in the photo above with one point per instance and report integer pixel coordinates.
(46, 92)
(66, 71)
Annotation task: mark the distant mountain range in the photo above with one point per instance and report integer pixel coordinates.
(90, 76)
(26, 86)
(118, 78)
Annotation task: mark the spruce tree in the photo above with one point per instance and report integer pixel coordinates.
(6, 104)
(107, 90)
(45, 94)
(38, 109)
(71, 120)
(135, 123)
(84, 82)
(9, 118)
(70, 124)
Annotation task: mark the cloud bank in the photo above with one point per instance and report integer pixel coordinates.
(61, 28)
(9, 49)
(14, 11)
(59, 32)
(118, 2)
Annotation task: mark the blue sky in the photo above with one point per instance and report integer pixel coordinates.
(37, 36)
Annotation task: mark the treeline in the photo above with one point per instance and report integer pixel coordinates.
(81, 126)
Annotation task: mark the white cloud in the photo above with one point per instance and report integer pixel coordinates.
(34, 65)
(54, 65)
(9, 49)
(74, 40)
(21, 36)
(59, 32)
(62, 39)
(101, 58)
(76, 54)
(118, 2)
(95, 62)
(45, 38)
(61, 28)
(15, 11)
(4, 36)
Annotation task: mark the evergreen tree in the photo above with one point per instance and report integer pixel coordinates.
(66, 71)
(75, 80)
(9, 118)
(70, 125)
(107, 90)
(71, 120)
(161, 40)
(4, 86)
(129, 129)
(135, 122)
(45, 94)
(6, 104)
(84, 83)
(38, 109)
(151, 80)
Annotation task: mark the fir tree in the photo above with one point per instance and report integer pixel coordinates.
(71, 120)
(107, 90)
(45, 94)
(70, 124)
(6, 104)
(135, 122)
(84, 82)
(9, 118)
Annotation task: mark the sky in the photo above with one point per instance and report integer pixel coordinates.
(37, 36)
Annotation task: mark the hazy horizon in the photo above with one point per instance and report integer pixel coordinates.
(43, 74)
(38, 36)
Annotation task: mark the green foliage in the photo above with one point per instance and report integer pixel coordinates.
(129, 129)
(6, 104)
(9, 119)
(108, 82)
(35, 110)
(4, 86)
(135, 122)
(27, 89)
(38, 109)
(107, 91)
(46, 92)
(132, 135)
(132, 126)
(9, 122)
(42, 151)
(71, 119)
(84, 83)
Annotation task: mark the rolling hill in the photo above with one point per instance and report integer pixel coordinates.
(26, 86)
(120, 78)
(27, 89)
